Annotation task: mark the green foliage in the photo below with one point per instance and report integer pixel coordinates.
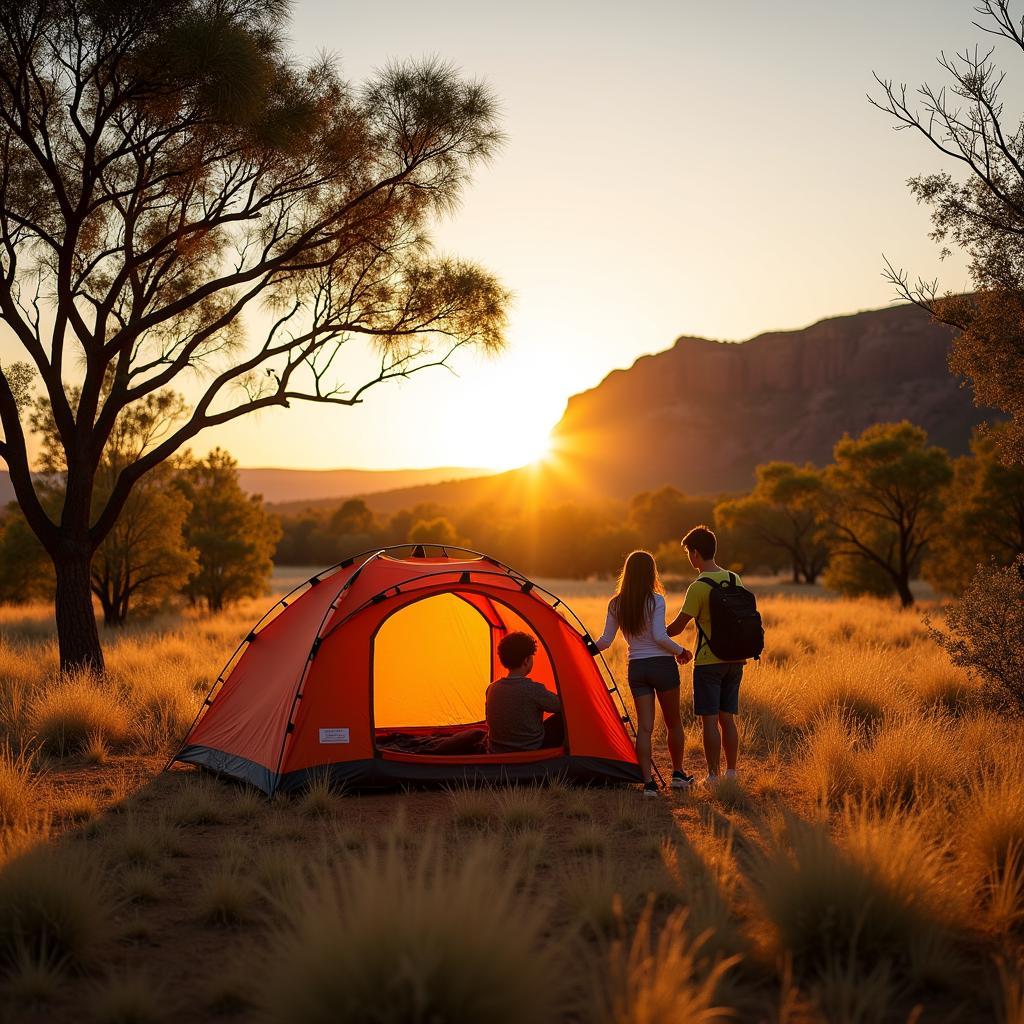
(231, 531)
(26, 573)
(852, 575)
(883, 501)
(984, 515)
(433, 531)
(666, 514)
(985, 631)
(979, 214)
(780, 519)
(144, 559)
(270, 183)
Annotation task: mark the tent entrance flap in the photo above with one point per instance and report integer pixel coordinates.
(431, 664)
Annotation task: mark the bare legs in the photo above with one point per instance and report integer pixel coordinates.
(720, 731)
(730, 738)
(644, 728)
(669, 701)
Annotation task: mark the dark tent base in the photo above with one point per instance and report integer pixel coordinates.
(379, 773)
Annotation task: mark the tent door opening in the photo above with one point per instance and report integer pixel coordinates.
(432, 662)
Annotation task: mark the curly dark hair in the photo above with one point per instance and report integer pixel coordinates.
(515, 648)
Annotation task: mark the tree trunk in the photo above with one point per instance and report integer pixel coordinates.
(78, 638)
(903, 589)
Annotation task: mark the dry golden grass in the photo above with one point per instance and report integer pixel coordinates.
(874, 840)
(416, 937)
(54, 906)
(658, 980)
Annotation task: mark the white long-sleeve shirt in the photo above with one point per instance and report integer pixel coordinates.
(653, 642)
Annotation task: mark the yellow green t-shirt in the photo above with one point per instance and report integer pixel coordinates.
(697, 604)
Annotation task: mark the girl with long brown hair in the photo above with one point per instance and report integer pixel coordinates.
(638, 610)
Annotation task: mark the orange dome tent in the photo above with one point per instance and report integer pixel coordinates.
(393, 646)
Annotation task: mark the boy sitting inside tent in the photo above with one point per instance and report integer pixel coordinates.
(515, 704)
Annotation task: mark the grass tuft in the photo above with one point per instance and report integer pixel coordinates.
(879, 894)
(72, 708)
(127, 999)
(54, 906)
(521, 808)
(435, 938)
(472, 807)
(587, 839)
(650, 980)
(18, 790)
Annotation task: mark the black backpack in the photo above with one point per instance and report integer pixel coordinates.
(735, 621)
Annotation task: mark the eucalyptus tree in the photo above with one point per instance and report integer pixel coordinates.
(977, 207)
(185, 206)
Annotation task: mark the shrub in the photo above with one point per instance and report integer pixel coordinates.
(53, 905)
(661, 981)
(384, 940)
(74, 707)
(985, 631)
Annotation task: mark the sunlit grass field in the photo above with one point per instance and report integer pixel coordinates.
(867, 865)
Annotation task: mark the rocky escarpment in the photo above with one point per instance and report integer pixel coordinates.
(703, 414)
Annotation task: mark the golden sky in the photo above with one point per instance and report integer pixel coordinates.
(672, 168)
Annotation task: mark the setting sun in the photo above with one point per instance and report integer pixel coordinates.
(507, 513)
(508, 444)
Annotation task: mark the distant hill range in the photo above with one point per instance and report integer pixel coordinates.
(307, 486)
(703, 414)
(312, 486)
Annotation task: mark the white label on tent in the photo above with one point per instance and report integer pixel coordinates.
(334, 735)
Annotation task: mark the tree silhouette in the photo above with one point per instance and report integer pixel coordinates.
(983, 215)
(883, 506)
(182, 204)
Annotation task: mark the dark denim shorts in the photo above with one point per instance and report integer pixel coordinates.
(646, 675)
(717, 688)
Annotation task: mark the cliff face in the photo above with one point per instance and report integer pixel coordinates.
(703, 414)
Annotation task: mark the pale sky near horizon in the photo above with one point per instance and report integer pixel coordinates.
(671, 168)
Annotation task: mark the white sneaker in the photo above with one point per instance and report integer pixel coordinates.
(709, 780)
(730, 773)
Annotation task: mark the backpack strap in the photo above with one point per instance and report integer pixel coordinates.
(702, 637)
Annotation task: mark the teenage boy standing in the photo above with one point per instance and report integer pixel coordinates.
(716, 683)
